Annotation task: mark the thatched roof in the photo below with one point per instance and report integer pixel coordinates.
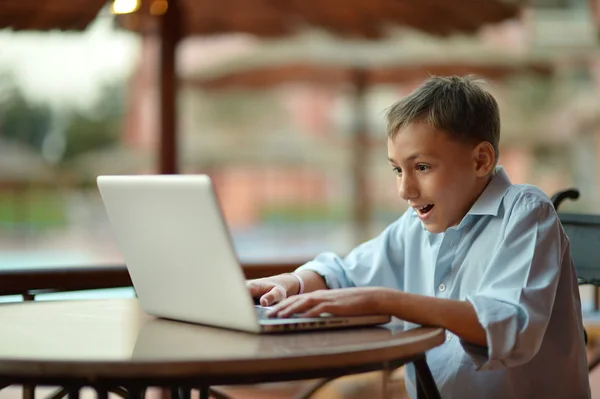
(265, 18)
(323, 59)
(347, 18)
(48, 15)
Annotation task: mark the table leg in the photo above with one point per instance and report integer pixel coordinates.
(133, 392)
(386, 389)
(73, 393)
(58, 394)
(204, 393)
(28, 391)
(426, 388)
(311, 389)
(207, 393)
(28, 297)
(101, 393)
(182, 393)
(125, 393)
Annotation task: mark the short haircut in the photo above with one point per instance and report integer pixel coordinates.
(458, 105)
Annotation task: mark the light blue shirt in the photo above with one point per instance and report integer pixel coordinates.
(510, 258)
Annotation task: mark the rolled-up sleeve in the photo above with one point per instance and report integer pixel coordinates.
(377, 262)
(331, 267)
(516, 294)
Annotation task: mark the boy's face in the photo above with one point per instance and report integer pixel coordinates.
(438, 176)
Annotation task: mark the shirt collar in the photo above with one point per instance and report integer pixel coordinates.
(490, 199)
(488, 202)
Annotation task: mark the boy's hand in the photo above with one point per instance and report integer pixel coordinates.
(338, 302)
(271, 290)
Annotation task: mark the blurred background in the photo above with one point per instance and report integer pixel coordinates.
(281, 103)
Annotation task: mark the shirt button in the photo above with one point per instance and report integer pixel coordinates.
(442, 287)
(448, 337)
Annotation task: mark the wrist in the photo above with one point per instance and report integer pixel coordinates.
(289, 283)
(386, 300)
(298, 288)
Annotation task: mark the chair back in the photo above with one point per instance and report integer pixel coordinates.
(583, 231)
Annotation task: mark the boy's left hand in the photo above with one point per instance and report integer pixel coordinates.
(337, 302)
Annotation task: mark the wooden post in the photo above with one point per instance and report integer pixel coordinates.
(595, 12)
(170, 33)
(360, 150)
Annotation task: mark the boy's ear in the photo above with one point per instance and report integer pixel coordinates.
(484, 158)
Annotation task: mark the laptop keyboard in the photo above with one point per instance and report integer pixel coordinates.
(261, 312)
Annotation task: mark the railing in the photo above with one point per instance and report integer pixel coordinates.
(30, 282)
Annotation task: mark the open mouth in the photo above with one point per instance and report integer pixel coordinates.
(424, 210)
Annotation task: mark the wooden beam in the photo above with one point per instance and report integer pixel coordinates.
(88, 277)
(170, 22)
(272, 76)
(595, 11)
(259, 17)
(89, 7)
(421, 17)
(360, 152)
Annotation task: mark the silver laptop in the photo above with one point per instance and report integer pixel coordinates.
(180, 256)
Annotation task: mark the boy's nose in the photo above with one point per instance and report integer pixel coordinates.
(407, 189)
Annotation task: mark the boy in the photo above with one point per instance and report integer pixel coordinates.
(483, 258)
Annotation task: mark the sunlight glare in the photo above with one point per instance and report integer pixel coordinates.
(125, 6)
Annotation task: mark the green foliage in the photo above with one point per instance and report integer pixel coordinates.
(81, 129)
(22, 120)
(96, 128)
(35, 208)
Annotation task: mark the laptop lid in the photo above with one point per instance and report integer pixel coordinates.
(177, 249)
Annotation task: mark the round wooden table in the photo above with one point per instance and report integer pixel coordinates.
(113, 345)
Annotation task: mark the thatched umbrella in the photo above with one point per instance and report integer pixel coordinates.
(314, 58)
(348, 18)
(325, 60)
(177, 19)
(57, 14)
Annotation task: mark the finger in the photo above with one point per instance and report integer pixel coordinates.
(300, 306)
(275, 295)
(255, 288)
(316, 311)
(281, 305)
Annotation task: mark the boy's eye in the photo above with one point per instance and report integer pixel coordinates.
(397, 170)
(423, 168)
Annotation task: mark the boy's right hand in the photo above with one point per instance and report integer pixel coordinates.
(271, 290)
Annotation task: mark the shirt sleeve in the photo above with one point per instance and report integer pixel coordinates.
(516, 295)
(377, 262)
